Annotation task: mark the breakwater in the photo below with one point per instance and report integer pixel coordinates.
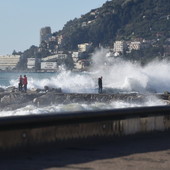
(33, 130)
(12, 99)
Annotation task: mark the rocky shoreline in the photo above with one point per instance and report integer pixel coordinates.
(12, 99)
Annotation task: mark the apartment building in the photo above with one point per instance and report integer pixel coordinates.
(9, 62)
(84, 47)
(49, 66)
(76, 56)
(135, 45)
(120, 46)
(30, 63)
(56, 57)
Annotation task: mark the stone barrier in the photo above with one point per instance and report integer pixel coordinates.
(32, 130)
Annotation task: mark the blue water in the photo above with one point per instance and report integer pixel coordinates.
(126, 78)
(117, 76)
(5, 78)
(68, 81)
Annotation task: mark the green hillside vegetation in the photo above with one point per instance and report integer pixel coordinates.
(118, 19)
(115, 20)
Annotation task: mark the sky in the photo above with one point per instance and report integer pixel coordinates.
(21, 20)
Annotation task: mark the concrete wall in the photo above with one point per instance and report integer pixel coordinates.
(23, 131)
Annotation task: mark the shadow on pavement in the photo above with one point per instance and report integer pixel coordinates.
(61, 155)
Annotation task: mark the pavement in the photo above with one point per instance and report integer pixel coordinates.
(136, 152)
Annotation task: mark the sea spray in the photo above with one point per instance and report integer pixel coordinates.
(125, 75)
(72, 107)
(69, 82)
(119, 76)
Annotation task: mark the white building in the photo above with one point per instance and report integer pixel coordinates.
(59, 39)
(9, 62)
(82, 64)
(84, 47)
(48, 65)
(135, 45)
(76, 55)
(120, 46)
(55, 57)
(30, 63)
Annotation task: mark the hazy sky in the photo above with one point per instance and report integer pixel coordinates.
(21, 20)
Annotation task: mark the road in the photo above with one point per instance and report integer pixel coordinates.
(138, 152)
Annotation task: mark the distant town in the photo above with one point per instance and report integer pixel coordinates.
(80, 59)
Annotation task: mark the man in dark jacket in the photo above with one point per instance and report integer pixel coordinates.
(20, 83)
(100, 84)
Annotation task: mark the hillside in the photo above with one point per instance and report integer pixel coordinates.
(118, 19)
(115, 20)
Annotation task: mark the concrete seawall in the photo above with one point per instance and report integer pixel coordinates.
(32, 130)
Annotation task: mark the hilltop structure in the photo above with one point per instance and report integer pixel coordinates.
(45, 34)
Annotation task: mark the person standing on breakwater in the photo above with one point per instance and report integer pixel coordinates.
(25, 83)
(100, 84)
(20, 83)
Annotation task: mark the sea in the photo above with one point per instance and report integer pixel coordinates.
(119, 76)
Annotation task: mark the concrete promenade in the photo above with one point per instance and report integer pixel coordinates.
(136, 152)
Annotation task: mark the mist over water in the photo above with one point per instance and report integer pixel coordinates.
(118, 76)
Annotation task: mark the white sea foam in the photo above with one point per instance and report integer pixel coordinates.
(72, 107)
(118, 76)
(116, 73)
(129, 76)
(66, 80)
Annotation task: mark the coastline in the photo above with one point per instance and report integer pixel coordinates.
(11, 98)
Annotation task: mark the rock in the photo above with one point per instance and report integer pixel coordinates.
(57, 90)
(11, 89)
(61, 98)
(44, 100)
(5, 100)
(11, 98)
(166, 93)
(46, 88)
(2, 89)
(17, 99)
(16, 106)
(33, 90)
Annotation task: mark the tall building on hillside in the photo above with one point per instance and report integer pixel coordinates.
(120, 46)
(45, 34)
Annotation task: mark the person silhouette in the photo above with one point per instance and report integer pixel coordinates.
(25, 83)
(100, 85)
(20, 84)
